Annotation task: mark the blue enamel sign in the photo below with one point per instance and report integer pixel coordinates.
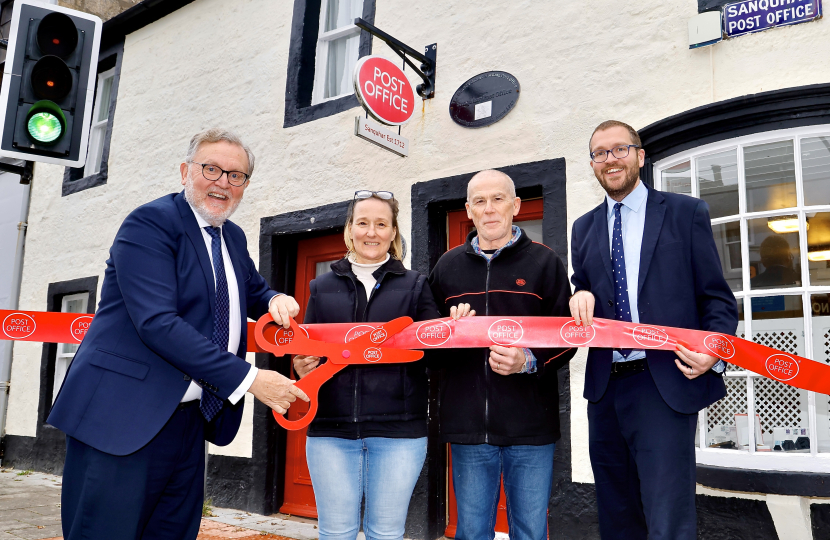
(756, 15)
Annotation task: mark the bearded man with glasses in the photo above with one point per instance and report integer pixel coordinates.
(643, 256)
(162, 368)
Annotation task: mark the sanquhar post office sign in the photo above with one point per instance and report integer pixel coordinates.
(756, 15)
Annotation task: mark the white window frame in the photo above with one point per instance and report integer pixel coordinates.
(321, 62)
(98, 129)
(751, 459)
(64, 355)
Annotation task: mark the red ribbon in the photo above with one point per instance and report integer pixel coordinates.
(472, 332)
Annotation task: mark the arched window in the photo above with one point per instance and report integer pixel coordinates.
(769, 200)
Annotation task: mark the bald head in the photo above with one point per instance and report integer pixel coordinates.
(491, 177)
(492, 204)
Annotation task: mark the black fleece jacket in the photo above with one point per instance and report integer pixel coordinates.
(477, 405)
(388, 400)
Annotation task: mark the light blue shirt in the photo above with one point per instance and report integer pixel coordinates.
(633, 213)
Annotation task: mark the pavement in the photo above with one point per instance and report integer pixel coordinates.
(30, 506)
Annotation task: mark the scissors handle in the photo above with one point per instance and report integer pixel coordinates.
(310, 384)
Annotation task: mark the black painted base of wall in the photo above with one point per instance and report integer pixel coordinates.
(43, 454)
(723, 518)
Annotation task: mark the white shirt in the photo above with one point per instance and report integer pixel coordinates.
(194, 391)
(363, 272)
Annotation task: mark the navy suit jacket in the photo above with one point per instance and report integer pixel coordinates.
(681, 284)
(151, 333)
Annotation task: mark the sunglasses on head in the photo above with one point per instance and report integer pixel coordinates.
(365, 194)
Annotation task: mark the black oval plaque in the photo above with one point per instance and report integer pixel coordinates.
(485, 99)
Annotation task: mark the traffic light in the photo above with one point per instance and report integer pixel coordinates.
(49, 83)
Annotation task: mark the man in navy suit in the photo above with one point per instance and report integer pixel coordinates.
(162, 368)
(646, 257)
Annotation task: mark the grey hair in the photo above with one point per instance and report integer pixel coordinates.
(214, 135)
(511, 187)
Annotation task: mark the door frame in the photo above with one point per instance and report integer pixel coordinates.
(431, 200)
(278, 239)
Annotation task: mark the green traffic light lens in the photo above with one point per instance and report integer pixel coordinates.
(45, 127)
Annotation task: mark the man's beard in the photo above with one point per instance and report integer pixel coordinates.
(632, 174)
(200, 204)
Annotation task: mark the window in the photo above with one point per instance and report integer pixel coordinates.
(323, 50)
(100, 115)
(95, 171)
(337, 49)
(73, 303)
(769, 199)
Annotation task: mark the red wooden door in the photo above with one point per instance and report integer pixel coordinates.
(313, 258)
(458, 227)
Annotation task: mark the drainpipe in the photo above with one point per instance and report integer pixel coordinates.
(14, 298)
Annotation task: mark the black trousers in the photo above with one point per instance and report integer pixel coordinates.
(154, 493)
(643, 457)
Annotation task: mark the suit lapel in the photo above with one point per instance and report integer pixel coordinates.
(240, 284)
(601, 230)
(655, 211)
(191, 228)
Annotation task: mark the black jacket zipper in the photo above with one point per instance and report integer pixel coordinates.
(487, 359)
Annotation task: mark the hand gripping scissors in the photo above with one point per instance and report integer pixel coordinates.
(364, 350)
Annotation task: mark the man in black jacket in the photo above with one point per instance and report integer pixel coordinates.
(499, 407)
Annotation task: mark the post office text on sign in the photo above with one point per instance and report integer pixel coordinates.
(383, 90)
(756, 15)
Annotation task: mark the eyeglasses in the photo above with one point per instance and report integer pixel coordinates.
(618, 152)
(213, 173)
(365, 194)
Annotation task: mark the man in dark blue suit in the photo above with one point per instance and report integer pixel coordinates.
(162, 368)
(646, 257)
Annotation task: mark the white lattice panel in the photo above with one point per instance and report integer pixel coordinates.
(723, 412)
(778, 404)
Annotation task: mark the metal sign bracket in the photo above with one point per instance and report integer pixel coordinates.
(427, 69)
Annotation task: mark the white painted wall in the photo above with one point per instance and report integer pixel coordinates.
(577, 64)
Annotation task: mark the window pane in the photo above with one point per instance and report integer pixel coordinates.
(815, 168)
(770, 176)
(778, 322)
(818, 246)
(104, 92)
(323, 267)
(820, 304)
(342, 13)
(728, 240)
(533, 228)
(720, 417)
(678, 179)
(775, 257)
(96, 150)
(717, 176)
(342, 57)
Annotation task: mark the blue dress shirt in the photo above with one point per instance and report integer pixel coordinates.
(633, 213)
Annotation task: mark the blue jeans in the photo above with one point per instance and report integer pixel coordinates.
(528, 478)
(383, 470)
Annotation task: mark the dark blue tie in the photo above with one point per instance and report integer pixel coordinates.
(622, 309)
(210, 404)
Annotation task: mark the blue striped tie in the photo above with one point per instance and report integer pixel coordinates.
(210, 404)
(622, 309)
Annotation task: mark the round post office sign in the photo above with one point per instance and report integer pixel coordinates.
(383, 90)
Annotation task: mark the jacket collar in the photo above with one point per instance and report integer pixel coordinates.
(519, 239)
(655, 212)
(191, 228)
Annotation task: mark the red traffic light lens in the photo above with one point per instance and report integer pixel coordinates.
(57, 35)
(51, 79)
